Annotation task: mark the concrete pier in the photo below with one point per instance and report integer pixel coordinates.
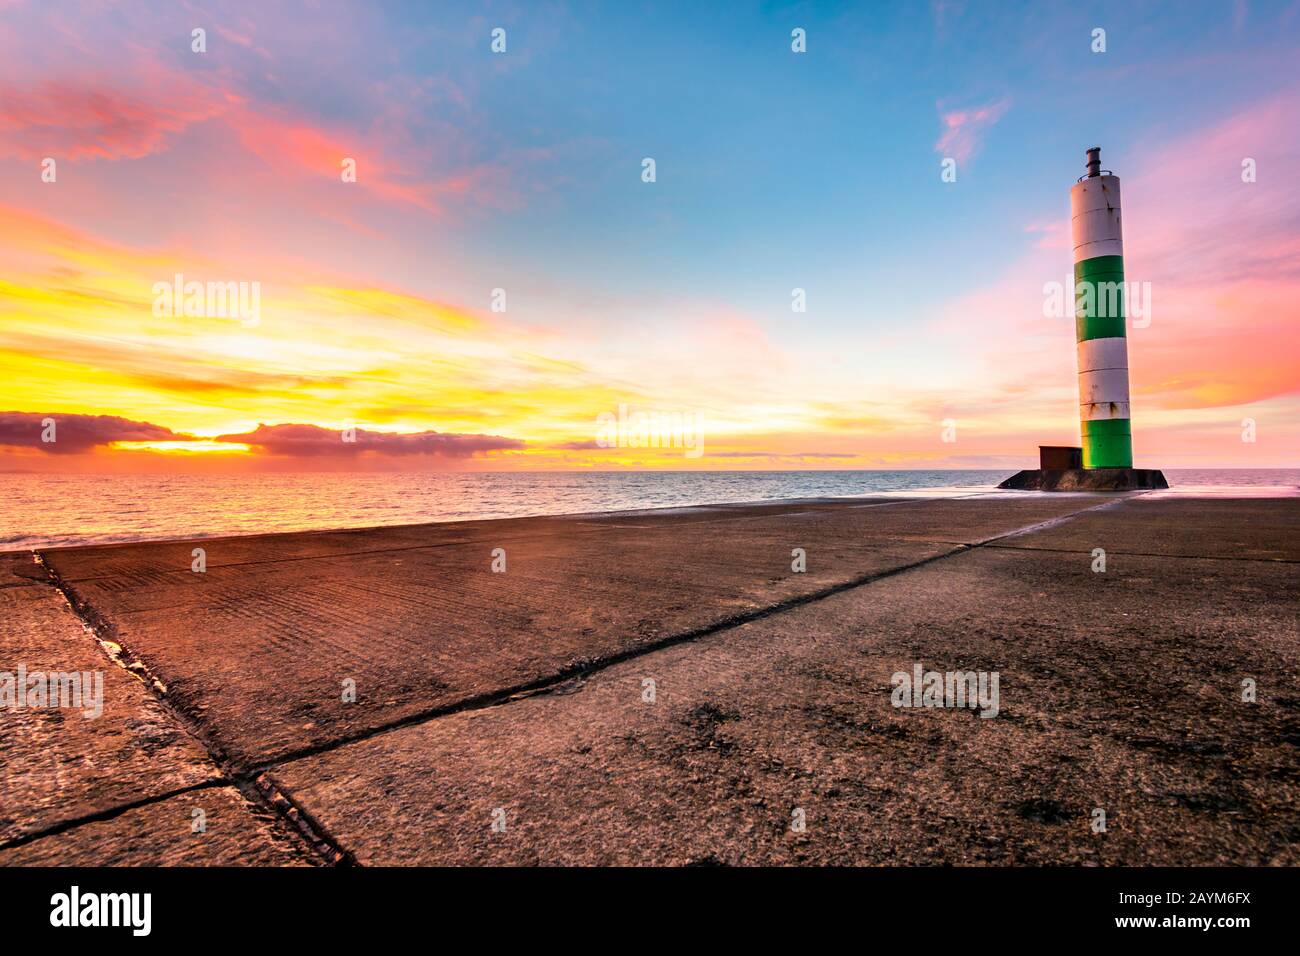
(661, 687)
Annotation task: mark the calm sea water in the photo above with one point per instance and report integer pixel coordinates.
(48, 511)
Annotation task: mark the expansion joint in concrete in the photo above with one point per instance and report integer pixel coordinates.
(255, 787)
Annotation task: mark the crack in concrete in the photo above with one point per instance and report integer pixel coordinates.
(257, 788)
(109, 814)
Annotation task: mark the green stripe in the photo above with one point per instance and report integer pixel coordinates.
(1098, 265)
(1107, 443)
(1093, 328)
(1105, 426)
(1099, 298)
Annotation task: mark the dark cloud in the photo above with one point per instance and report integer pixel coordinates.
(77, 433)
(314, 441)
(80, 433)
(579, 445)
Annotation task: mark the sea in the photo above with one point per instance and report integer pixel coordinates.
(43, 511)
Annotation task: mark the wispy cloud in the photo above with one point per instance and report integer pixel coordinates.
(964, 129)
(91, 120)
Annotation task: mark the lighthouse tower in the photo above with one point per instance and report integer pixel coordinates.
(1105, 462)
(1099, 317)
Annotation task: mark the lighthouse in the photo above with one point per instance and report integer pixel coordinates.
(1096, 228)
(1105, 460)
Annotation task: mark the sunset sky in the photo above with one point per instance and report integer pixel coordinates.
(522, 171)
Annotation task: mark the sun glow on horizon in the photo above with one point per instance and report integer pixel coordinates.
(182, 447)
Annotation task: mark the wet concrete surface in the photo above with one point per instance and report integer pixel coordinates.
(1119, 691)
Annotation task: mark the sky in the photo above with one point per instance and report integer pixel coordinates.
(502, 277)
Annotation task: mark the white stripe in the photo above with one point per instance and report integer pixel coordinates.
(1096, 225)
(1095, 218)
(1103, 411)
(1094, 192)
(1102, 247)
(1100, 226)
(1103, 385)
(1103, 353)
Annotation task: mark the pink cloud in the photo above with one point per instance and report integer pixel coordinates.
(1053, 234)
(293, 145)
(963, 129)
(89, 120)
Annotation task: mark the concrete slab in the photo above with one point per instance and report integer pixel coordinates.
(55, 764)
(150, 558)
(257, 649)
(235, 833)
(1253, 528)
(1119, 692)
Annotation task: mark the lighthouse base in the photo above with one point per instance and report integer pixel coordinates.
(1087, 479)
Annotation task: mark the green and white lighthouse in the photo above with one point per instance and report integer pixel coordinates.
(1099, 317)
(1105, 460)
